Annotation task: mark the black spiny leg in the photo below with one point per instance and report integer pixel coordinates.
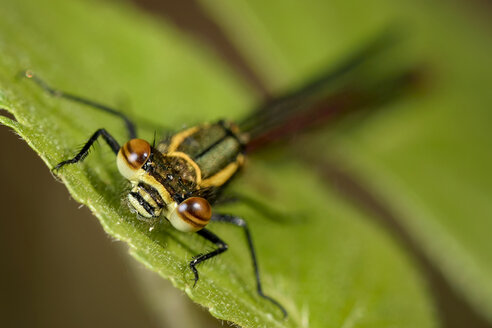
(85, 150)
(58, 93)
(237, 221)
(101, 132)
(210, 236)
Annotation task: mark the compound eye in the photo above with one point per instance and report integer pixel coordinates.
(191, 215)
(132, 156)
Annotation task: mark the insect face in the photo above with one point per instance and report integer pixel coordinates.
(150, 196)
(146, 200)
(131, 157)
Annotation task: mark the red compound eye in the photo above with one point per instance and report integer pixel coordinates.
(136, 152)
(192, 214)
(195, 209)
(132, 156)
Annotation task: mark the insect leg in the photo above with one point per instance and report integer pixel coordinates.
(85, 150)
(237, 221)
(130, 126)
(210, 236)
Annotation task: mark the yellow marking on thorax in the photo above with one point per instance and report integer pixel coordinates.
(223, 175)
(178, 138)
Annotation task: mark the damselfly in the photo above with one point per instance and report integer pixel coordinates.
(182, 177)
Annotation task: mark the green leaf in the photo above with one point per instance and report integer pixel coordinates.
(330, 267)
(428, 156)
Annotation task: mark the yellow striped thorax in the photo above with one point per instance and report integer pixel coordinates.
(182, 175)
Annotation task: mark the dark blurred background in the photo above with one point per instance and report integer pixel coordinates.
(51, 242)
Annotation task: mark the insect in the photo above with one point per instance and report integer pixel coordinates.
(181, 177)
